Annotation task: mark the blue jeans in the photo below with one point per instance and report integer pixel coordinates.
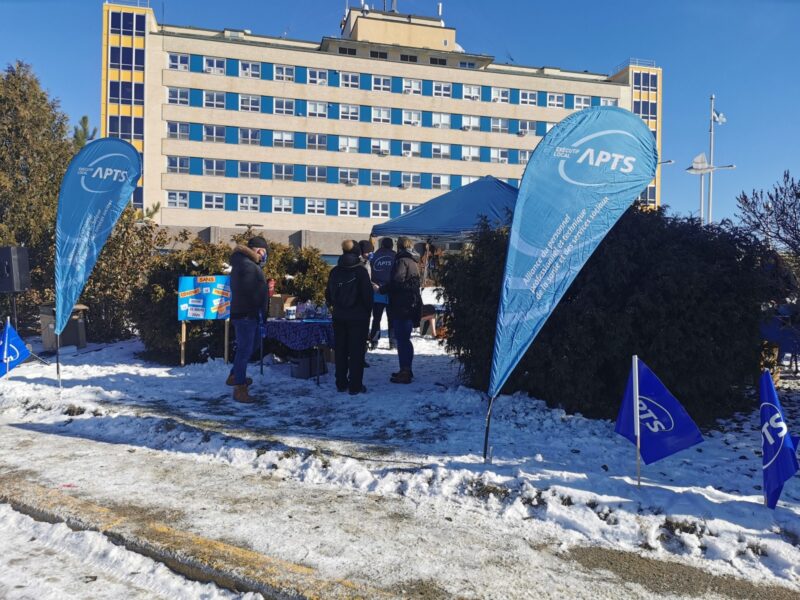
(247, 332)
(405, 349)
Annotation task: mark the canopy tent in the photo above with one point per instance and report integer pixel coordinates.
(454, 215)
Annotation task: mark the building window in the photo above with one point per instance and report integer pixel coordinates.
(380, 178)
(409, 58)
(115, 26)
(467, 64)
(249, 136)
(412, 86)
(381, 83)
(178, 62)
(213, 133)
(177, 199)
(317, 141)
(548, 126)
(348, 176)
(470, 153)
(524, 156)
(177, 130)
(213, 99)
(317, 109)
(284, 106)
(348, 112)
(470, 122)
(283, 139)
(248, 203)
(315, 173)
(315, 206)
(410, 180)
(499, 125)
(410, 148)
(178, 164)
(442, 62)
(284, 73)
(283, 172)
(318, 76)
(381, 114)
(500, 95)
(467, 179)
(178, 96)
(498, 155)
(282, 204)
(405, 207)
(214, 166)
(440, 150)
(379, 210)
(441, 120)
(582, 102)
(249, 170)
(527, 97)
(214, 201)
(442, 89)
(472, 92)
(412, 117)
(138, 59)
(380, 146)
(440, 182)
(608, 102)
(349, 80)
(248, 103)
(138, 128)
(348, 208)
(214, 66)
(379, 55)
(555, 100)
(125, 92)
(646, 82)
(348, 144)
(250, 69)
(347, 51)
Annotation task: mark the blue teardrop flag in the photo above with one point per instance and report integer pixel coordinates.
(12, 349)
(779, 457)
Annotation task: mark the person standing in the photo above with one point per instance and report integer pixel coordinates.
(249, 296)
(381, 263)
(405, 305)
(349, 294)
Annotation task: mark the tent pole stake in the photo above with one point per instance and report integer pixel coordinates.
(486, 458)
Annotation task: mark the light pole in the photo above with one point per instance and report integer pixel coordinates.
(700, 166)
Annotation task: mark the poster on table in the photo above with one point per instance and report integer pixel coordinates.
(205, 298)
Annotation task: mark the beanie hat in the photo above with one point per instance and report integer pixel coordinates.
(258, 242)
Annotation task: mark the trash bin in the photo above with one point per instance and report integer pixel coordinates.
(74, 333)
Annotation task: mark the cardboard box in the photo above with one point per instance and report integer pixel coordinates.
(278, 304)
(306, 367)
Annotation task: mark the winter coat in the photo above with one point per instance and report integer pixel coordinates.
(249, 291)
(382, 262)
(350, 270)
(405, 300)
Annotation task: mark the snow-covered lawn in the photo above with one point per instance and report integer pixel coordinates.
(553, 475)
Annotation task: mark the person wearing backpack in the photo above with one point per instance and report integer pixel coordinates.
(381, 262)
(349, 295)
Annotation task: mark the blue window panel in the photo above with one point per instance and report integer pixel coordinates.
(455, 181)
(333, 143)
(196, 132)
(195, 63)
(456, 121)
(397, 85)
(266, 137)
(425, 181)
(365, 81)
(195, 165)
(486, 124)
(569, 101)
(363, 146)
(267, 72)
(300, 75)
(332, 175)
(363, 209)
(333, 110)
(266, 104)
(485, 154)
(231, 168)
(394, 209)
(395, 178)
(514, 182)
(426, 150)
(365, 114)
(195, 200)
(300, 108)
(299, 206)
(595, 100)
(427, 118)
(299, 173)
(396, 147)
(486, 93)
(232, 67)
(333, 78)
(195, 97)
(541, 128)
(541, 98)
(455, 151)
(265, 170)
(231, 101)
(231, 202)
(397, 116)
(427, 87)
(231, 135)
(266, 204)
(300, 140)
(513, 157)
(364, 177)
(514, 96)
(513, 126)
(331, 207)
(458, 91)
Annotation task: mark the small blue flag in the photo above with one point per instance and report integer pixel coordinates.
(665, 426)
(12, 349)
(780, 460)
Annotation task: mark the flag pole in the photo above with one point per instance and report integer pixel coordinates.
(6, 337)
(636, 430)
(58, 359)
(711, 161)
(486, 457)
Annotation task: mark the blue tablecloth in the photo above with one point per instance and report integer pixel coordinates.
(299, 334)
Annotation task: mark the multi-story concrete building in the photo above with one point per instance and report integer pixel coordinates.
(313, 141)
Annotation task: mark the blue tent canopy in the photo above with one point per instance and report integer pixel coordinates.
(454, 215)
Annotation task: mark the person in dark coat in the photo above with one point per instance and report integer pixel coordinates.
(349, 294)
(381, 263)
(249, 296)
(405, 306)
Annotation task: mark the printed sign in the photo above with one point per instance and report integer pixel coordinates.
(204, 298)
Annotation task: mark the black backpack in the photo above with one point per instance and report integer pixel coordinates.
(345, 291)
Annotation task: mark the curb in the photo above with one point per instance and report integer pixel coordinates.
(193, 556)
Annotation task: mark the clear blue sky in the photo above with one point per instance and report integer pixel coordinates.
(745, 51)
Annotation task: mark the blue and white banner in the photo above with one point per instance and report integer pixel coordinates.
(96, 188)
(664, 425)
(779, 453)
(580, 179)
(12, 349)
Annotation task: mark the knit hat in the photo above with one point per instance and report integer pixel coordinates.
(258, 242)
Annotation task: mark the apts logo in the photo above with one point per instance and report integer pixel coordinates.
(773, 431)
(595, 156)
(654, 416)
(384, 263)
(102, 173)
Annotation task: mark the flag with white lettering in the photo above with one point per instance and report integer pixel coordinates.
(779, 458)
(12, 349)
(665, 426)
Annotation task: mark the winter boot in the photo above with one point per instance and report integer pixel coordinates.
(398, 373)
(403, 376)
(240, 394)
(229, 380)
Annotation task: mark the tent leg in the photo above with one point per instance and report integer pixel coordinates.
(486, 457)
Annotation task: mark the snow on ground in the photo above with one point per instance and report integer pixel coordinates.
(553, 474)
